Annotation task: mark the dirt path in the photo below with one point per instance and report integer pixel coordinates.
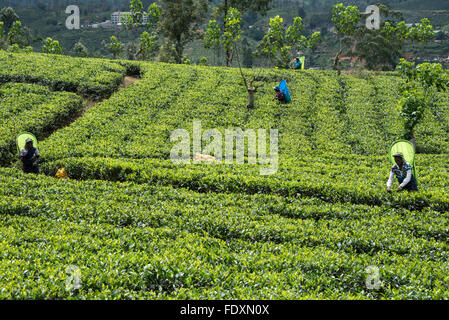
(89, 104)
(128, 81)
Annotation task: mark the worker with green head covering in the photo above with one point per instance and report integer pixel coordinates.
(296, 63)
(404, 173)
(29, 157)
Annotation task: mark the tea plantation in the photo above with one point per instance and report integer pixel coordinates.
(138, 226)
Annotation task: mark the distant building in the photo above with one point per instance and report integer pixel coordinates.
(408, 55)
(118, 18)
(105, 24)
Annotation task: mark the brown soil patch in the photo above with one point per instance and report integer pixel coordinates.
(128, 81)
(90, 103)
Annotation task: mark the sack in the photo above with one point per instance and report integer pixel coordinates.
(62, 174)
(204, 157)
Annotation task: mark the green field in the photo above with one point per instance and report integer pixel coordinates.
(139, 226)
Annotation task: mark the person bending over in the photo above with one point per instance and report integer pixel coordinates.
(404, 173)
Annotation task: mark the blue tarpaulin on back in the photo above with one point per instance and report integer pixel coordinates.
(284, 89)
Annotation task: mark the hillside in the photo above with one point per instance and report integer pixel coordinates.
(139, 226)
(47, 19)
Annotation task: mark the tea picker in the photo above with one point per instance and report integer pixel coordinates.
(298, 63)
(402, 155)
(282, 93)
(28, 153)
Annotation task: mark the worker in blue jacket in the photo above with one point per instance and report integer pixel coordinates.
(296, 64)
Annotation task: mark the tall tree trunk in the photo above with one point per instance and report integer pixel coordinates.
(228, 52)
(251, 93)
(179, 50)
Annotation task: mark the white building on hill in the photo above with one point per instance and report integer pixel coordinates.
(118, 18)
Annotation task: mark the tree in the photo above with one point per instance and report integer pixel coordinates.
(203, 61)
(215, 39)
(419, 92)
(345, 20)
(8, 16)
(15, 33)
(168, 52)
(302, 12)
(115, 47)
(228, 40)
(247, 54)
(80, 49)
(232, 31)
(147, 46)
(179, 22)
(148, 43)
(280, 43)
(378, 49)
(153, 16)
(212, 36)
(2, 35)
(135, 19)
(51, 46)
(260, 6)
(131, 51)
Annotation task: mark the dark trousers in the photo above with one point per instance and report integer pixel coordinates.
(412, 185)
(31, 169)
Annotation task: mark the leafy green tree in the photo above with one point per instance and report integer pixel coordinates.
(243, 6)
(230, 38)
(147, 46)
(8, 16)
(378, 51)
(280, 43)
(148, 43)
(203, 61)
(153, 16)
(212, 36)
(80, 49)
(17, 49)
(15, 34)
(131, 51)
(168, 52)
(345, 20)
(134, 19)
(376, 48)
(422, 82)
(51, 46)
(229, 41)
(232, 31)
(115, 47)
(3, 42)
(179, 22)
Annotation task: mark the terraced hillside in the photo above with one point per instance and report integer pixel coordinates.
(139, 226)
